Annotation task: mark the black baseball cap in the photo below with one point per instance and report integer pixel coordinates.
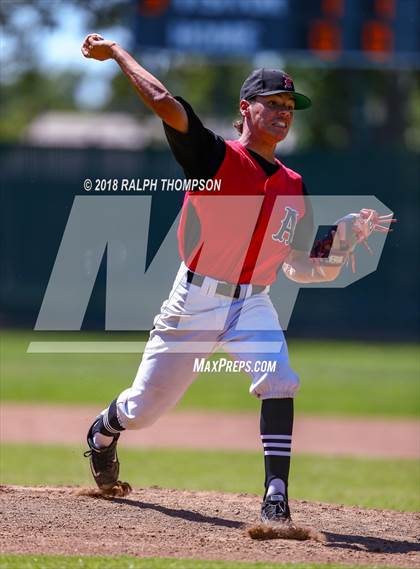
(271, 82)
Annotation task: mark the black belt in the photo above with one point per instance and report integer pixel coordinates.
(225, 289)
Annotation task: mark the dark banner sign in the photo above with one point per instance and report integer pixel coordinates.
(375, 31)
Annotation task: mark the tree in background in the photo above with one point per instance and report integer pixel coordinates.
(27, 86)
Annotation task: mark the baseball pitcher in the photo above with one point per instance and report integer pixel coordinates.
(232, 245)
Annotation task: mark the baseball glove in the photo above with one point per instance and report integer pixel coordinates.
(338, 246)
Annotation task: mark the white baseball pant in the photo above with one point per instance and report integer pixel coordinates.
(194, 322)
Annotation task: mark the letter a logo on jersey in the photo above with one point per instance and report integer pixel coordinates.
(287, 228)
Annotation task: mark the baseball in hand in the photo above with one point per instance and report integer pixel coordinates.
(96, 47)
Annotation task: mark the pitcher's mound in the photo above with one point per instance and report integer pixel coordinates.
(156, 522)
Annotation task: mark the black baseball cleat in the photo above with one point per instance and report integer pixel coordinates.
(275, 509)
(103, 462)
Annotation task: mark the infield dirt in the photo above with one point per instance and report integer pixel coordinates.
(156, 522)
(37, 423)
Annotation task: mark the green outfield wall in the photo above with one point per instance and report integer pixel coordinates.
(38, 186)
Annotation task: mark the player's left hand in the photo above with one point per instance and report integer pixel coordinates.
(356, 228)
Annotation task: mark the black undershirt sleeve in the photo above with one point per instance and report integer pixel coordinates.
(200, 152)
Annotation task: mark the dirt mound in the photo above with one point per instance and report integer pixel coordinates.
(156, 522)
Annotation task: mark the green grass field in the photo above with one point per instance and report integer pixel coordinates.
(376, 483)
(338, 378)
(55, 562)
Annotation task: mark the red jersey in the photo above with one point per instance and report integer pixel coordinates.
(246, 227)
